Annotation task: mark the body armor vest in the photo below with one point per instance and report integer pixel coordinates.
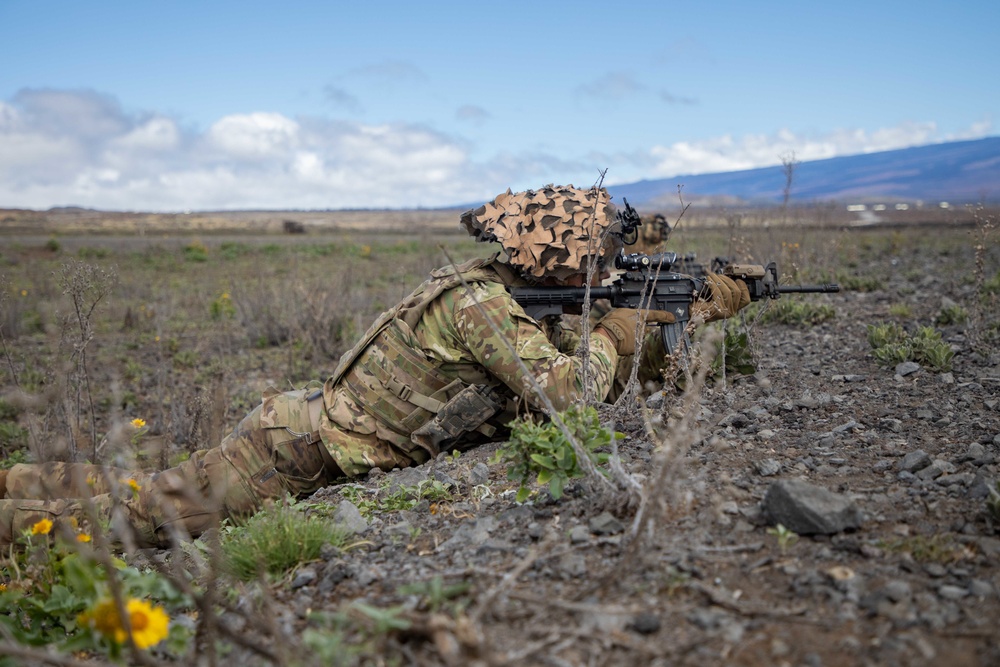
(388, 374)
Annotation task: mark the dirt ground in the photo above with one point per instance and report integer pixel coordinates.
(559, 583)
(479, 579)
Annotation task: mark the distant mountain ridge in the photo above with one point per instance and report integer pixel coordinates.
(958, 171)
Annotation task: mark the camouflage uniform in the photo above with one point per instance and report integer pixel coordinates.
(430, 375)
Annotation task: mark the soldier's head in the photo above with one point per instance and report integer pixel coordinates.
(551, 233)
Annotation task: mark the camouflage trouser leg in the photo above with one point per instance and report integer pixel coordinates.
(275, 450)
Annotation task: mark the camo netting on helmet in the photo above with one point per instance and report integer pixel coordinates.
(548, 232)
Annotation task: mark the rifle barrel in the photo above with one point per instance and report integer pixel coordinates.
(828, 287)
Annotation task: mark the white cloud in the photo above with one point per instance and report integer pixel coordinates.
(254, 135)
(728, 153)
(79, 147)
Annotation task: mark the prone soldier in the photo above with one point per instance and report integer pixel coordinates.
(446, 368)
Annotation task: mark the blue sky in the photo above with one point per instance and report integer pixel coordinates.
(209, 105)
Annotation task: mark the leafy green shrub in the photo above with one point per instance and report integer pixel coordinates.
(276, 541)
(797, 312)
(542, 451)
(231, 250)
(992, 286)
(892, 345)
(56, 595)
(196, 251)
(53, 245)
(12, 436)
(8, 411)
(902, 310)
(952, 315)
(736, 354)
(222, 307)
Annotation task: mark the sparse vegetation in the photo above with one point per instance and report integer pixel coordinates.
(541, 450)
(892, 345)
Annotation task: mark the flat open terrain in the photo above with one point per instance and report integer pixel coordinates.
(191, 327)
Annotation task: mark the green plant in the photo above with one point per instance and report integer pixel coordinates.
(938, 548)
(542, 450)
(952, 315)
(186, 358)
(12, 436)
(196, 251)
(901, 310)
(277, 540)
(736, 353)
(892, 345)
(58, 594)
(993, 501)
(53, 245)
(222, 307)
(798, 312)
(8, 411)
(434, 593)
(786, 537)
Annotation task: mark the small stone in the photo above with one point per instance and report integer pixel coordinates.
(897, 590)
(981, 589)
(807, 509)
(579, 534)
(949, 592)
(935, 570)
(845, 428)
(767, 467)
(937, 468)
(480, 474)
(573, 564)
(907, 368)
(946, 378)
(958, 479)
(915, 460)
(605, 523)
(890, 424)
(765, 434)
(349, 516)
(303, 577)
(645, 623)
(976, 452)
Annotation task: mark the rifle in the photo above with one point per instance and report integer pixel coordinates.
(650, 282)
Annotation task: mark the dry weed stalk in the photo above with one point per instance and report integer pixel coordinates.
(86, 285)
(661, 492)
(981, 235)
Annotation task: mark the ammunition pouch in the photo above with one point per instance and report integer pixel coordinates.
(466, 412)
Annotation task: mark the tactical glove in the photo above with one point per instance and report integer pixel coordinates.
(721, 298)
(620, 326)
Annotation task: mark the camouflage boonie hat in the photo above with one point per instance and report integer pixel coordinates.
(548, 232)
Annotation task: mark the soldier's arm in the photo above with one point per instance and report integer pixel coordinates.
(559, 375)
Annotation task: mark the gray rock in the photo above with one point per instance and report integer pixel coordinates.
(767, 467)
(407, 477)
(915, 460)
(401, 529)
(845, 428)
(907, 368)
(937, 468)
(655, 401)
(573, 564)
(958, 479)
(976, 452)
(808, 509)
(445, 478)
(981, 588)
(645, 623)
(475, 532)
(897, 590)
(480, 474)
(949, 592)
(605, 523)
(303, 577)
(890, 424)
(579, 534)
(348, 516)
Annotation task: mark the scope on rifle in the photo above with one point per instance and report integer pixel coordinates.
(640, 262)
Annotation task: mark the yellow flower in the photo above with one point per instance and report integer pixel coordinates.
(225, 296)
(83, 537)
(138, 423)
(132, 484)
(42, 527)
(150, 625)
(24, 292)
(3, 588)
